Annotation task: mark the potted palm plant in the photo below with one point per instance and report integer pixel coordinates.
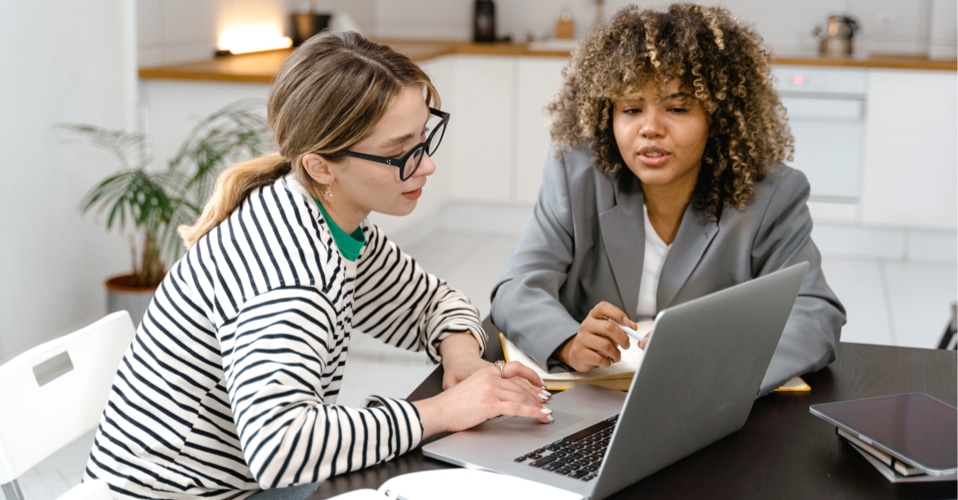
(147, 203)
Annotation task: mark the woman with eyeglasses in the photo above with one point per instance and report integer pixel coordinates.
(230, 384)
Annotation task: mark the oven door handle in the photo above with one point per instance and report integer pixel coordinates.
(810, 108)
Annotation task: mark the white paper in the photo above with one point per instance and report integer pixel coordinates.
(627, 365)
(459, 484)
(468, 484)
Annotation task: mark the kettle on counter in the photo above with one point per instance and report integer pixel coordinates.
(836, 39)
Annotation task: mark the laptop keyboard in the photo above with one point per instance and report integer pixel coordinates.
(577, 455)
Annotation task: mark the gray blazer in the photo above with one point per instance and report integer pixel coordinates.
(585, 244)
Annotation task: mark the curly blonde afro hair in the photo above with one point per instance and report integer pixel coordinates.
(723, 64)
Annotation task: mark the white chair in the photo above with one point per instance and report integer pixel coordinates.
(54, 393)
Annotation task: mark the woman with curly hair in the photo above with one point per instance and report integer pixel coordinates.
(666, 183)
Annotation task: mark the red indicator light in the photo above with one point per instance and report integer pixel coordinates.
(798, 79)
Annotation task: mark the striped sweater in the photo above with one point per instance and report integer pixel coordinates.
(230, 383)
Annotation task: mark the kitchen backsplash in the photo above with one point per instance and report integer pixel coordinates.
(171, 31)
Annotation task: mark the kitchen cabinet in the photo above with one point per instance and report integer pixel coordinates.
(538, 80)
(910, 157)
(481, 128)
(501, 138)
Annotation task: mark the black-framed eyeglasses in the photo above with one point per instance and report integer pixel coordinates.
(410, 161)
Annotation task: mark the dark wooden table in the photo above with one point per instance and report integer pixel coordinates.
(781, 452)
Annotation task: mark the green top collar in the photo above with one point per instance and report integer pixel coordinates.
(350, 245)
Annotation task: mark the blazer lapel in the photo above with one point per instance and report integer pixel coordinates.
(623, 234)
(695, 234)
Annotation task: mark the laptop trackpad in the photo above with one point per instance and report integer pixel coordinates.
(533, 428)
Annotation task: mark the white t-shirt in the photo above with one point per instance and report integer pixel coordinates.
(656, 250)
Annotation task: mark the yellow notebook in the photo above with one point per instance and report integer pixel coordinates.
(618, 376)
(795, 384)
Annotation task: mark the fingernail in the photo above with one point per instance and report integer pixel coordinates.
(545, 395)
(545, 410)
(551, 419)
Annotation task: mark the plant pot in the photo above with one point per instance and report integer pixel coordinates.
(122, 296)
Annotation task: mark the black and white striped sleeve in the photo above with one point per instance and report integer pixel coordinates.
(398, 302)
(275, 363)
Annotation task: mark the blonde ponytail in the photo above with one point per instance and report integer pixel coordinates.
(232, 187)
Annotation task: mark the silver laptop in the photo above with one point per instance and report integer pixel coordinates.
(700, 375)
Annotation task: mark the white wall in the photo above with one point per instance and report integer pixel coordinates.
(62, 62)
(165, 34)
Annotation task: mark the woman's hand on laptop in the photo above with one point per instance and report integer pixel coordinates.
(597, 342)
(488, 393)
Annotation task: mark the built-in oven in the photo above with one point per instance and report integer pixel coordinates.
(826, 113)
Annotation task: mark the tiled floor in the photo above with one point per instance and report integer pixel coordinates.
(890, 303)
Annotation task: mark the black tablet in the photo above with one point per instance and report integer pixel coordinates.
(914, 428)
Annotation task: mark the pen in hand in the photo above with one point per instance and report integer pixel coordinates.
(629, 331)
